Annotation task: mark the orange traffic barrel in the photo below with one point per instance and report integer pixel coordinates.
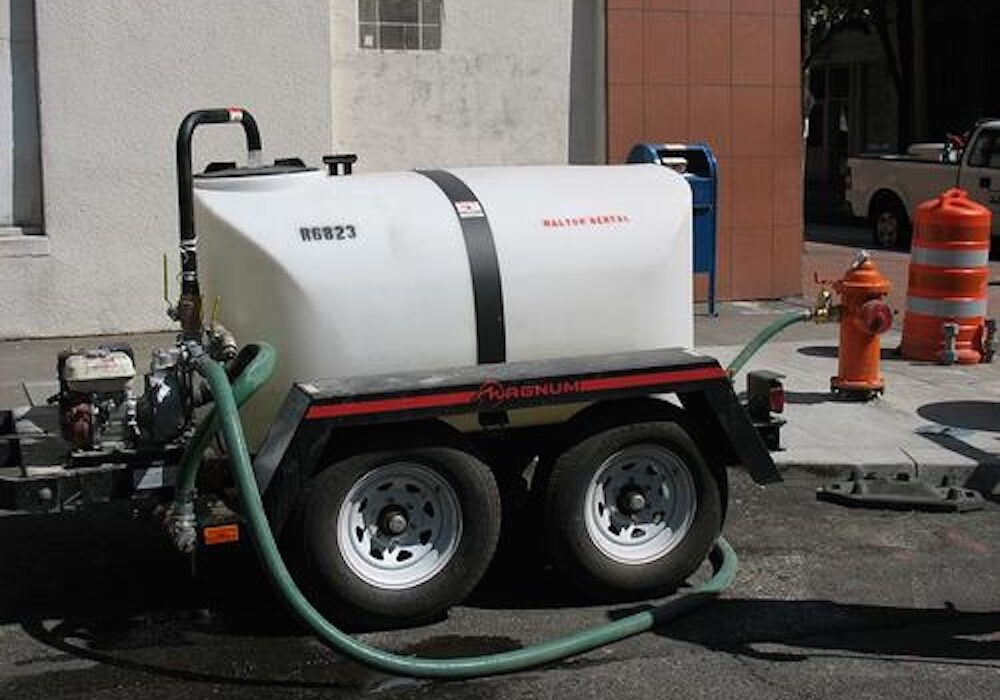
(948, 281)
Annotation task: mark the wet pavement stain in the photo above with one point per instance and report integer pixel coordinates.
(173, 649)
(453, 646)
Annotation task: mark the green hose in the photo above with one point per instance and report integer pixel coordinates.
(254, 374)
(226, 400)
(769, 331)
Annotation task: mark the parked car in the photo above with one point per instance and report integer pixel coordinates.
(886, 189)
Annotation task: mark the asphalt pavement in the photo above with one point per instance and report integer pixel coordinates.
(829, 603)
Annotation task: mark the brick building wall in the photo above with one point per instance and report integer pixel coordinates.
(725, 72)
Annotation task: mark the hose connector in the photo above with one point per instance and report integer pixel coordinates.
(182, 522)
(221, 343)
(823, 310)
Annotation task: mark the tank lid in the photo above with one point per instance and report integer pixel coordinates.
(282, 166)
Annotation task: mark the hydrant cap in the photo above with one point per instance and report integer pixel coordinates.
(864, 276)
(875, 317)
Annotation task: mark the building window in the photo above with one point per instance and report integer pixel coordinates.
(20, 155)
(399, 24)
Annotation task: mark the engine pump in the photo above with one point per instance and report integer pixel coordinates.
(98, 405)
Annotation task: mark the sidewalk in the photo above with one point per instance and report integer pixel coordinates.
(933, 421)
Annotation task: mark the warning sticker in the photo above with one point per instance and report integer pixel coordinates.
(469, 209)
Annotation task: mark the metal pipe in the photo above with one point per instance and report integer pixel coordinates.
(189, 306)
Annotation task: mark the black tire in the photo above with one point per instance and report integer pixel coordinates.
(575, 550)
(344, 593)
(891, 228)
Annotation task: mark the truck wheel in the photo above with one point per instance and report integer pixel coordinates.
(632, 511)
(890, 225)
(394, 538)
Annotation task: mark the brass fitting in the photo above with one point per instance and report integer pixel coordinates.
(824, 310)
(189, 314)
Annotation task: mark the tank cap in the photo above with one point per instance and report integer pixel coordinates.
(282, 166)
(334, 162)
(289, 163)
(216, 165)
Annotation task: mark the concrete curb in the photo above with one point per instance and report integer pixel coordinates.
(983, 477)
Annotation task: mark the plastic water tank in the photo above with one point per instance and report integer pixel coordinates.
(383, 272)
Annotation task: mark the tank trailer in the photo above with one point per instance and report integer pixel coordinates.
(451, 351)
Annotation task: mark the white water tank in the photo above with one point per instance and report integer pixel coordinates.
(372, 273)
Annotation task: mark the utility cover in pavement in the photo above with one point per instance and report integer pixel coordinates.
(900, 493)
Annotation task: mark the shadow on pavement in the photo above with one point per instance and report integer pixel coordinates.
(830, 351)
(808, 398)
(967, 416)
(781, 631)
(805, 629)
(970, 415)
(102, 564)
(92, 644)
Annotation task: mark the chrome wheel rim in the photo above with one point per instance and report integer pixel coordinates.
(399, 525)
(640, 504)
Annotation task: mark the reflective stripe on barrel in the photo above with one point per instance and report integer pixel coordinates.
(950, 257)
(947, 308)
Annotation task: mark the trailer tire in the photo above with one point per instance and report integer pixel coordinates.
(397, 537)
(603, 539)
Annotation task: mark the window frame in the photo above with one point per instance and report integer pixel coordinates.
(993, 133)
(421, 25)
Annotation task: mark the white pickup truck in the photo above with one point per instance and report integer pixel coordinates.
(887, 189)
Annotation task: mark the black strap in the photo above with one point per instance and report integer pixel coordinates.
(487, 293)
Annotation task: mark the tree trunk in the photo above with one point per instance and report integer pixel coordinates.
(904, 37)
(901, 68)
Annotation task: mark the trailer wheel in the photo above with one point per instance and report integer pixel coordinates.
(394, 538)
(632, 511)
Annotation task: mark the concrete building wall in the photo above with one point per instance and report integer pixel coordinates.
(497, 92)
(115, 78)
(726, 72)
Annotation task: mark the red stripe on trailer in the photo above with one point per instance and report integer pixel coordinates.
(631, 381)
(401, 403)
(456, 398)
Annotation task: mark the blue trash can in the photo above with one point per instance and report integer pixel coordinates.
(701, 171)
